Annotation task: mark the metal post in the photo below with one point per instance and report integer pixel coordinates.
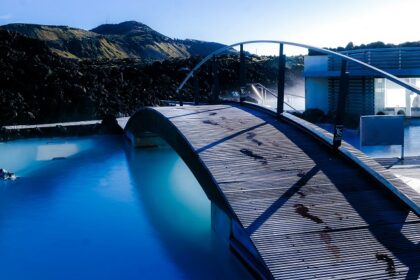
(179, 94)
(402, 151)
(264, 95)
(196, 89)
(280, 81)
(216, 87)
(408, 99)
(341, 105)
(242, 73)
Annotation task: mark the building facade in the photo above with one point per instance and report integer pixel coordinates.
(368, 93)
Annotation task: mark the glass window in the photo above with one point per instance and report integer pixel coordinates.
(394, 97)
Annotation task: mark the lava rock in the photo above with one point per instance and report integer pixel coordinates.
(6, 175)
(38, 86)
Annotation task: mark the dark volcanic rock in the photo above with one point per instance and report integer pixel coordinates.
(6, 175)
(38, 86)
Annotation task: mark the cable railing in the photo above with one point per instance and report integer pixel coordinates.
(343, 84)
(262, 94)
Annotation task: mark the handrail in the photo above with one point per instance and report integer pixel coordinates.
(293, 108)
(321, 50)
(267, 89)
(272, 92)
(275, 95)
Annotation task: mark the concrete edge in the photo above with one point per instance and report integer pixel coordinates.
(65, 129)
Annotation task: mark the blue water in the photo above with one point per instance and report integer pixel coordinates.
(95, 208)
(411, 142)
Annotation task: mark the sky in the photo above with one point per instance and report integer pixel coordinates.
(322, 23)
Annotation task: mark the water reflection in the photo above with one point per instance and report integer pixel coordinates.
(25, 156)
(180, 212)
(106, 211)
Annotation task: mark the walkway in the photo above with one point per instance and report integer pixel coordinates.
(309, 213)
(408, 170)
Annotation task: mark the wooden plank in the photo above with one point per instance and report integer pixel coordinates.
(310, 213)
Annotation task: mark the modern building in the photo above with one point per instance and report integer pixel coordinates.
(368, 93)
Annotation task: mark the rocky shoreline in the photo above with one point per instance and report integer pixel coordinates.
(106, 126)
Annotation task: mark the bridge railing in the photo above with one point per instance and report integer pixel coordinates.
(343, 87)
(263, 94)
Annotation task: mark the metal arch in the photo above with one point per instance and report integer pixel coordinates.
(321, 50)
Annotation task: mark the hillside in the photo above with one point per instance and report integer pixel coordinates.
(70, 42)
(129, 39)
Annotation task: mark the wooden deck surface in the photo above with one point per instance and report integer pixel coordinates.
(408, 170)
(310, 213)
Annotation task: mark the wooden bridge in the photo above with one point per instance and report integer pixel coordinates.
(290, 204)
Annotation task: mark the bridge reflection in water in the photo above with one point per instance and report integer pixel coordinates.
(179, 213)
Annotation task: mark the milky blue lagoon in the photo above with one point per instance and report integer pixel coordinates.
(95, 208)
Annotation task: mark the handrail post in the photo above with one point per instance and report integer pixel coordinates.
(181, 103)
(216, 88)
(242, 73)
(196, 89)
(341, 105)
(280, 81)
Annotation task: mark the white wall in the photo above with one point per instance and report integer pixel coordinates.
(315, 63)
(316, 88)
(316, 93)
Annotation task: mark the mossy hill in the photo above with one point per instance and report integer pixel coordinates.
(128, 39)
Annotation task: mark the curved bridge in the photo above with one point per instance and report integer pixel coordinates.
(291, 205)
